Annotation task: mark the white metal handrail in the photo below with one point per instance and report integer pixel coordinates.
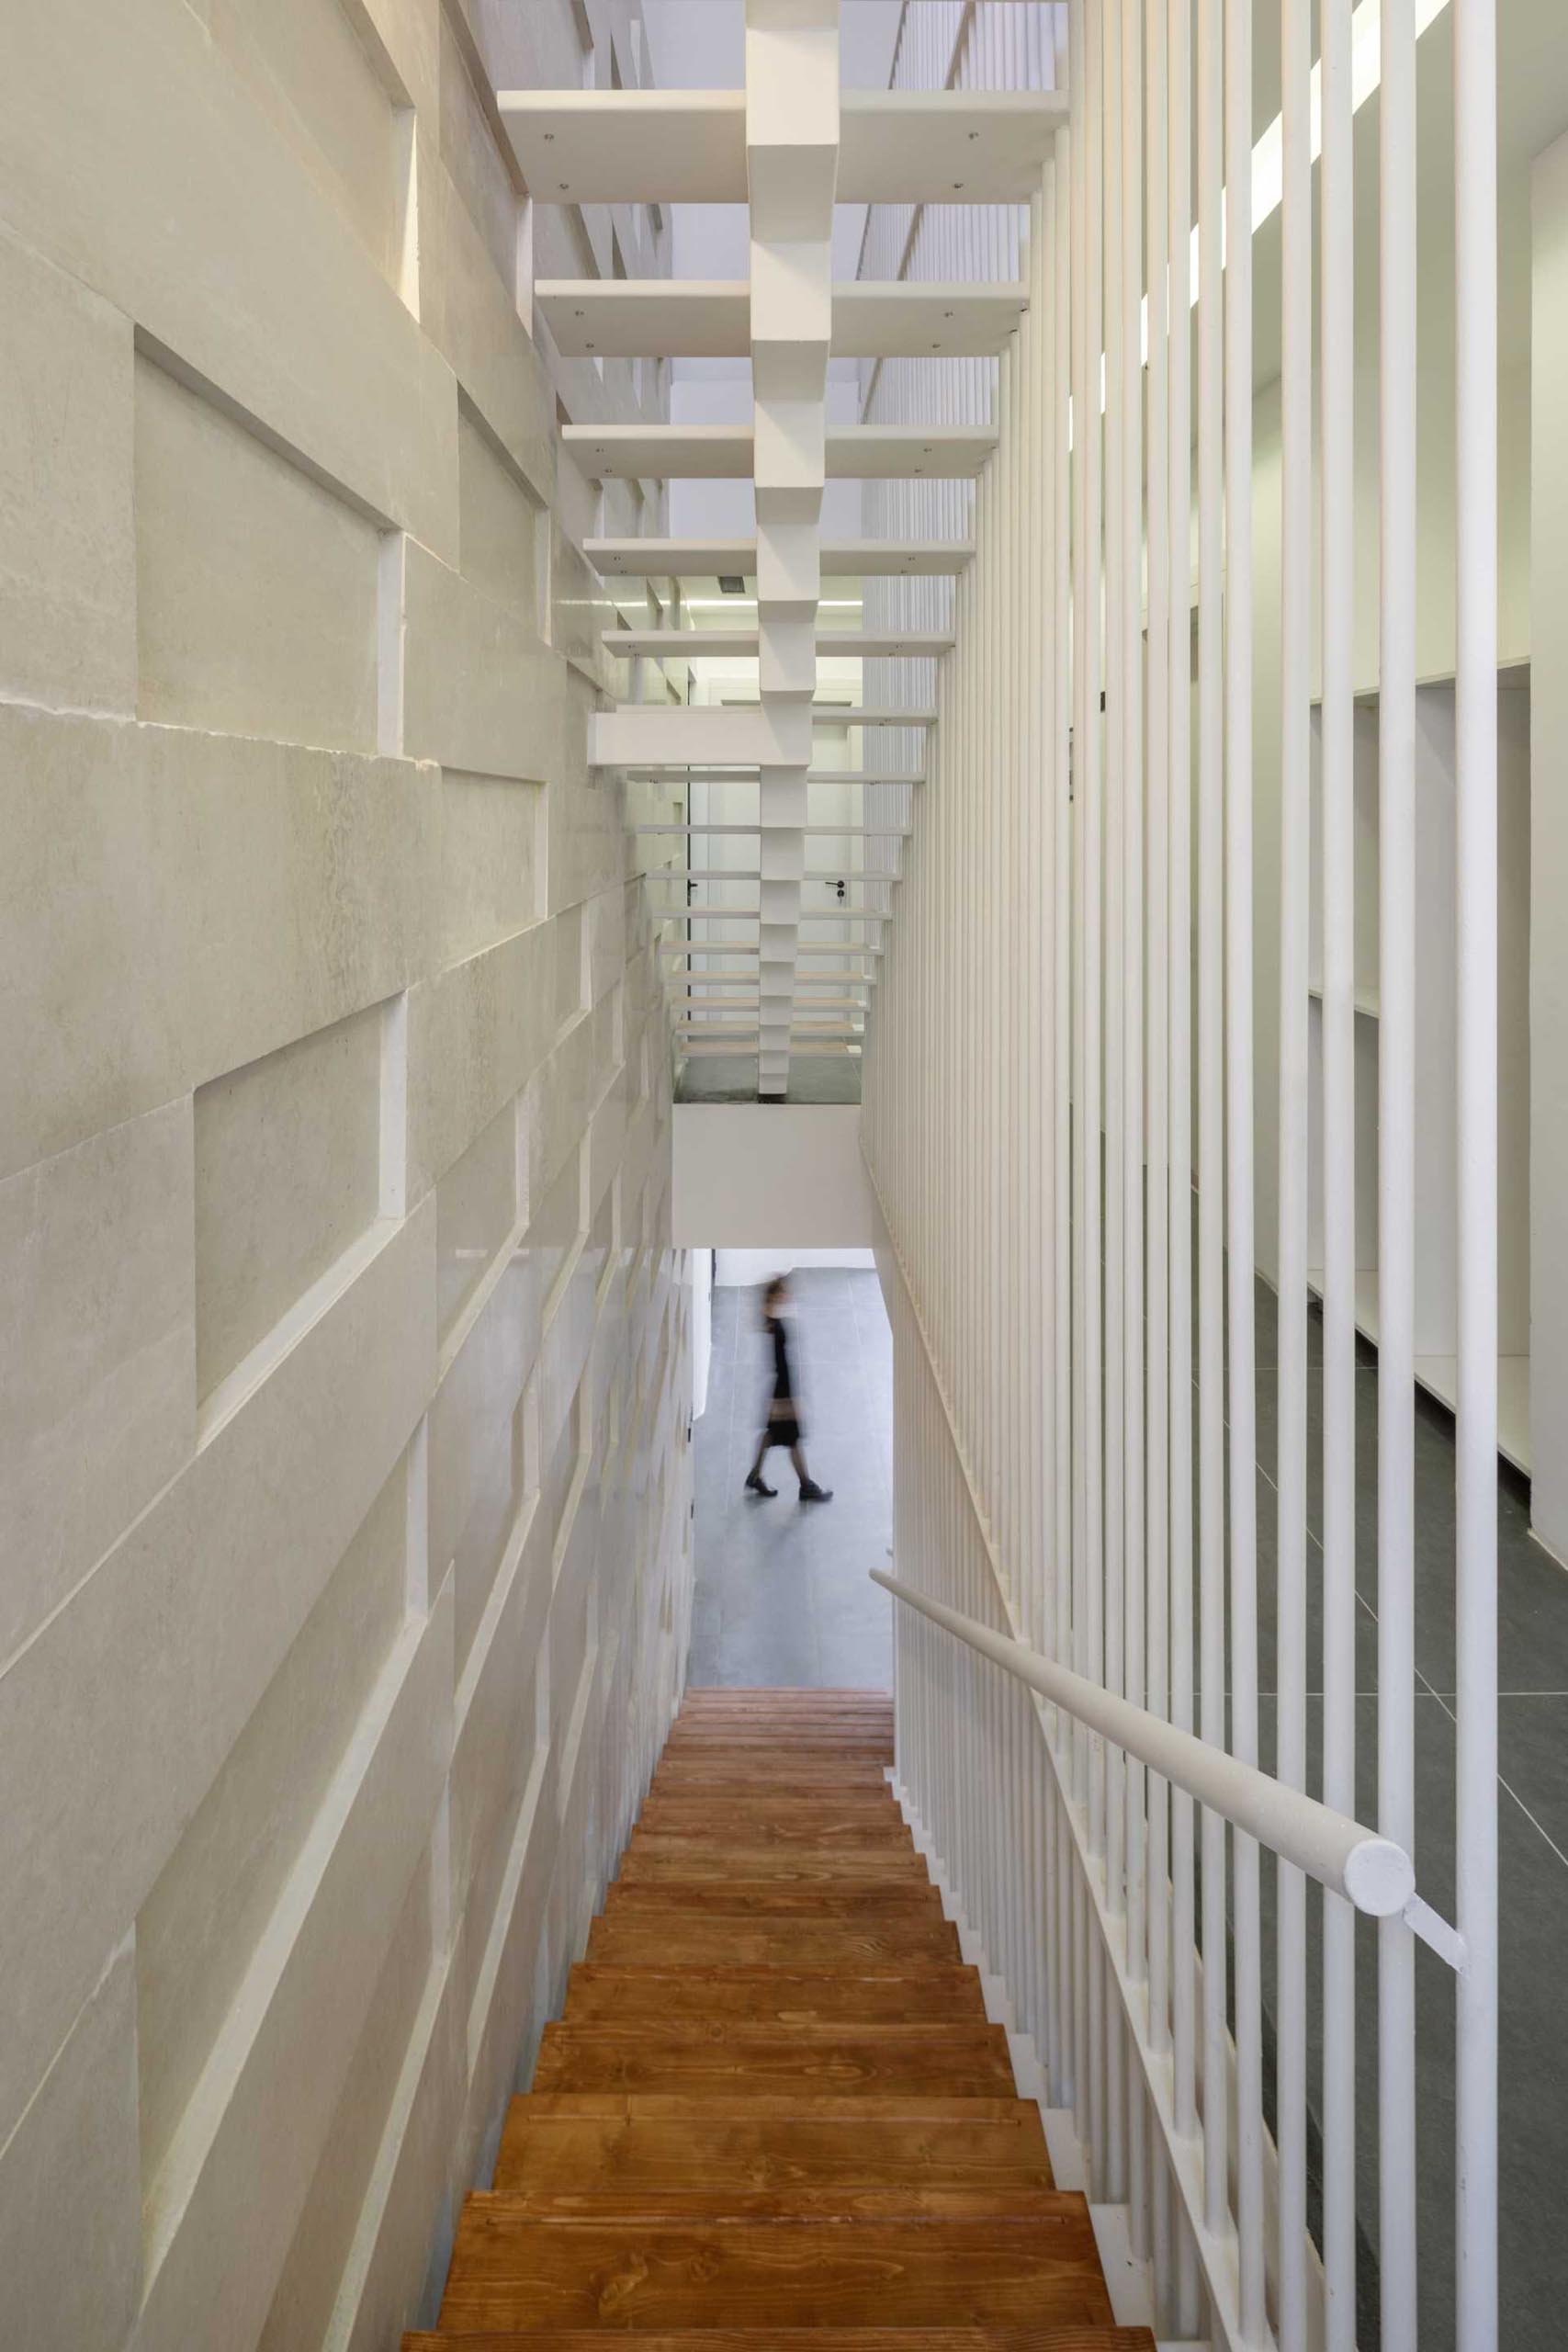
(1372, 1872)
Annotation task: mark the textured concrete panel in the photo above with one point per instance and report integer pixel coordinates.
(98, 1375)
(135, 158)
(479, 689)
(491, 859)
(476, 1037)
(73, 2154)
(235, 895)
(198, 1931)
(177, 1632)
(287, 1175)
(239, 2172)
(256, 588)
(67, 567)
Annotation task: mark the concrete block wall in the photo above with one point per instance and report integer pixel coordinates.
(344, 1357)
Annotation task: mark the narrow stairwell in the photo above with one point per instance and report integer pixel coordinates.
(773, 2113)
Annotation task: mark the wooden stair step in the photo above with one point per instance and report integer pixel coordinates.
(770, 1774)
(735, 1739)
(665, 2107)
(779, 1995)
(631, 1934)
(546, 2154)
(826, 1899)
(686, 2054)
(508, 2271)
(650, 1856)
(815, 2339)
(828, 1828)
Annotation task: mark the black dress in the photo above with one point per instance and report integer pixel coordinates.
(782, 1414)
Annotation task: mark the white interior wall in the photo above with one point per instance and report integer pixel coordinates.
(343, 1362)
(770, 1175)
(745, 1269)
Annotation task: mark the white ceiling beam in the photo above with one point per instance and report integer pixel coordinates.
(690, 146)
(724, 452)
(679, 318)
(651, 559)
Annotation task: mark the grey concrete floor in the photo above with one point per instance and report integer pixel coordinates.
(783, 1595)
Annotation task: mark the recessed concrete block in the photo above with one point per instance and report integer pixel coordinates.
(476, 1207)
(172, 190)
(68, 570)
(199, 1928)
(256, 588)
(75, 2154)
(314, 78)
(98, 1353)
(176, 1634)
(496, 1734)
(476, 1035)
(287, 1175)
(473, 1406)
(492, 861)
(499, 525)
(323, 2242)
(241, 2164)
(478, 686)
(473, 158)
(497, 1480)
(469, 309)
(173, 905)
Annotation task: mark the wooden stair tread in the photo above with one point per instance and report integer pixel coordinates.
(796, 2107)
(748, 2156)
(785, 1996)
(774, 2116)
(831, 2058)
(651, 1856)
(630, 1935)
(823, 1898)
(793, 2339)
(510, 2271)
(839, 1832)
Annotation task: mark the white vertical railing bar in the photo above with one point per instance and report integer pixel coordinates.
(1397, 957)
(1241, 1255)
(1156, 1072)
(1295, 849)
(1132, 1170)
(1476, 437)
(1336, 605)
(1210, 1099)
(1184, 1977)
(1114, 2187)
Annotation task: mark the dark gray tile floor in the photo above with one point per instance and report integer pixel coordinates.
(784, 1594)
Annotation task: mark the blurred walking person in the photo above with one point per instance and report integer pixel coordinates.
(781, 1424)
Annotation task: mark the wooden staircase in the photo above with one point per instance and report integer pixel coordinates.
(773, 2114)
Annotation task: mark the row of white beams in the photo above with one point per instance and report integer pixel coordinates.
(669, 317)
(728, 452)
(651, 559)
(688, 146)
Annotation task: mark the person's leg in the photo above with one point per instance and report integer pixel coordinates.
(810, 1492)
(754, 1483)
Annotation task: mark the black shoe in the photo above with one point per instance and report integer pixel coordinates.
(810, 1492)
(754, 1486)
